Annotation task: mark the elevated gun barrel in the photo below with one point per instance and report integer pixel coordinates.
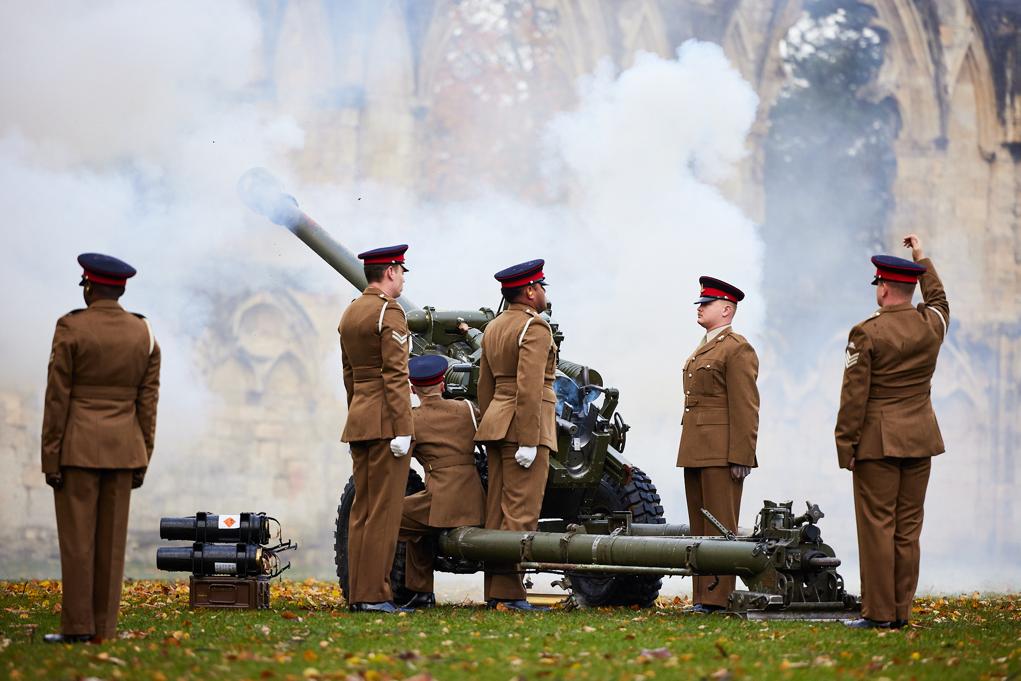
(263, 193)
(678, 555)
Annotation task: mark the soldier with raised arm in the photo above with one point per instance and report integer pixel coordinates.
(515, 390)
(719, 428)
(886, 431)
(99, 430)
(374, 348)
(453, 495)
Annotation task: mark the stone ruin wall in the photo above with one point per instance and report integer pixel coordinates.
(412, 103)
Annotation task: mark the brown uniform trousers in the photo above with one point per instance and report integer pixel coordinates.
(719, 428)
(99, 426)
(887, 426)
(453, 494)
(374, 347)
(515, 389)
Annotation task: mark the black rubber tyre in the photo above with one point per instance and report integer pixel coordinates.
(400, 593)
(640, 497)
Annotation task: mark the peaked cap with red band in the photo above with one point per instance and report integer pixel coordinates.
(426, 370)
(387, 255)
(716, 289)
(104, 269)
(522, 275)
(892, 268)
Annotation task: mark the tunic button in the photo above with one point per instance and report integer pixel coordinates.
(689, 375)
(686, 409)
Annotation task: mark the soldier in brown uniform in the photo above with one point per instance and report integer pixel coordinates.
(519, 360)
(453, 494)
(99, 426)
(886, 429)
(720, 425)
(374, 347)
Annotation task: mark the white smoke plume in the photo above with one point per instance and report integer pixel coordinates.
(124, 127)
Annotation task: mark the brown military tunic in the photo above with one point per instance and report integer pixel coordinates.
(515, 390)
(719, 427)
(99, 425)
(453, 494)
(374, 347)
(887, 426)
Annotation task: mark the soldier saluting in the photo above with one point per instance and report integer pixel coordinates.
(886, 429)
(374, 347)
(453, 494)
(720, 426)
(515, 390)
(99, 428)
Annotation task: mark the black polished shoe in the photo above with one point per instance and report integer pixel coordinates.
(67, 638)
(866, 623)
(421, 600)
(386, 607)
(898, 624)
(706, 609)
(523, 605)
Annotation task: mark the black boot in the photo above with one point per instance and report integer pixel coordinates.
(67, 638)
(866, 623)
(386, 607)
(522, 605)
(421, 600)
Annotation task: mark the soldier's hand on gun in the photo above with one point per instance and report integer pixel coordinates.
(738, 472)
(137, 478)
(915, 244)
(400, 445)
(55, 480)
(525, 456)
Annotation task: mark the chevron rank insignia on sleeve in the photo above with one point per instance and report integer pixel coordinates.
(401, 338)
(849, 359)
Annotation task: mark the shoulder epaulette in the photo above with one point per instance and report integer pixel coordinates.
(139, 315)
(80, 309)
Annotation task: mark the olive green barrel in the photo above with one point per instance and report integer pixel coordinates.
(263, 193)
(700, 555)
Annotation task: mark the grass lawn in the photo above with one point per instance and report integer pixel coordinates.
(309, 634)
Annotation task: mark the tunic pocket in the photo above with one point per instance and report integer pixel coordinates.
(710, 378)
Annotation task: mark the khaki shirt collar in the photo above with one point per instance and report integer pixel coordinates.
(711, 335)
(106, 303)
(521, 307)
(430, 397)
(899, 307)
(371, 290)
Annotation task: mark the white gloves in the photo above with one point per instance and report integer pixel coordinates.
(400, 445)
(739, 472)
(525, 456)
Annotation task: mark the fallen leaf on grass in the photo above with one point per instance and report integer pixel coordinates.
(289, 615)
(110, 659)
(656, 653)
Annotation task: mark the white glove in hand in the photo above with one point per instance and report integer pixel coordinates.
(525, 456)
(739, 472)
(400, 445)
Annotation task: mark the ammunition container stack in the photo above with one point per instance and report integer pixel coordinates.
(229, 559)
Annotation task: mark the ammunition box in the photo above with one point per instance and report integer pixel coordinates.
(244, 593)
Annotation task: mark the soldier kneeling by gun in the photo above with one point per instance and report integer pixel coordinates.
(453, 495)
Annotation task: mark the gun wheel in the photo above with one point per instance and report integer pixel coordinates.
(640, 497)
(340, 535)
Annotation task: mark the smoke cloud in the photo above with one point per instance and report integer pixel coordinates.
(124, 127)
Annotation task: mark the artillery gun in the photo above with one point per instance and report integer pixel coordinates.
(601, 523)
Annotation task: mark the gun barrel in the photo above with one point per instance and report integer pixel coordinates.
(701, 555)
(263, 193)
